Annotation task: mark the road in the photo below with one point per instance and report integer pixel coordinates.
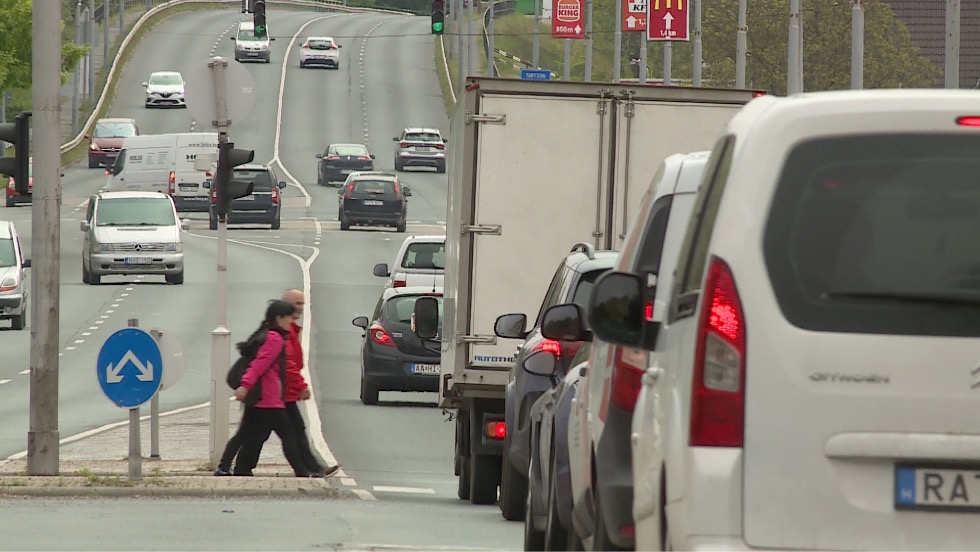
(398, 451)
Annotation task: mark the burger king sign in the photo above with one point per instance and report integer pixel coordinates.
(567, 19)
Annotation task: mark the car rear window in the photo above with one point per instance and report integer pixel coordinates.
(879, 234)
(350, 150)
(135, 212)
(400, 307)
(380, 187)
(423, 137)
(583, 289)
(261, 181)
(426, 256)
(319, 44)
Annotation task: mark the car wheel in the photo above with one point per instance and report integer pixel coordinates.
(176, 279)
(369, 393)
(302, 65)
(213, 222)
(18, 322)
(277, 223)
(344, 224)
(399, 167)
(93, 163)
(400, 227)
(94, 279)
(85, 275)
(319, 180)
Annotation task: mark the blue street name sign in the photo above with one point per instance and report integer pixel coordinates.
(130, 367)
(535, 74)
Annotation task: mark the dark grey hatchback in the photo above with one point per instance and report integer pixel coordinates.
(263, 206)
(373, 199)
(393, 358)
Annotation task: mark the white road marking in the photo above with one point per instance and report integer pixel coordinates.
(24, 372)
(406, 490)
(3, 381)
(114, 305)
(124, 294)
(363, 494)
(79, 341)
(104, 316)
(93, 328)
(99, 322)
(348, 481)
(86, 333)
(109, 311)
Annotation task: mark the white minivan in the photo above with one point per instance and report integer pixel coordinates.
(165, 163)
(819, 386)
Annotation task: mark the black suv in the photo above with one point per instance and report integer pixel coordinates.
(263, 206)
(373, 199)
(572, 283)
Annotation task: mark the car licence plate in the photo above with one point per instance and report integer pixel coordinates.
(373, 202)
(138, 260)
(187, 187)
(247, 198)
(346, 171)
(425, 369)
(423, 148)
(941, 488)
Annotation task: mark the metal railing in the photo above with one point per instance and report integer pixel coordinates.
(503, 7)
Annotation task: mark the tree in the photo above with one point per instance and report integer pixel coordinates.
(16, 48)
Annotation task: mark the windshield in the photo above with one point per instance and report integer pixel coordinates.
(248, 34)
(135, 212)
(114, 130)
(879, 234)
(261, 182)
(426, 256)
(401, 307)
(7, 256)
(423, 137)
(167, 79)
(350, 150)
(319, 44)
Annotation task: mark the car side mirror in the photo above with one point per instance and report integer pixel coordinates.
(511, 326)
(616, 311)
(407, 191)
(565, 323)
(426, 317)
(373, 157)
(395, 139)
(381, 270)
(319, 156)
(272, 38)
(445, 140)
(85, 226)
(62, 175)
(340, 191)
(26, 263)
(541, 363)
(185, 224)
(231, 38)
(282, 185)
(145, 84)
(340, 45)
(360, 322)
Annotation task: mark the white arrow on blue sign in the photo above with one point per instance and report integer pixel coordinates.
(130, 367)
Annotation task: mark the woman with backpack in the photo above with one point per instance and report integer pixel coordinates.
(265, 410)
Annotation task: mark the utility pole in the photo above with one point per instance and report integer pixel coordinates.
(42, 434)
(618, 43)
(122, 18)
(567, 73)
(741, 46)
(535, 46)
(93, 42)
(490, 55)
(857, 45)
(698, 55)
(77, 77)
(794, 71)
(3, 119)
(668, 62)
(642, 76)
(105, 35)
(588, 40)
(472, 58)
(952, 59)
(461, 49)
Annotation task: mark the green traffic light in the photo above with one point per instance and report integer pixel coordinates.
(260, 30)
(437, 27)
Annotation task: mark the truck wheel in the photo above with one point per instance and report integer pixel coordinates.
(484, 476)
(85, 274)
(463, 489)
(369, 393)
(513, 487)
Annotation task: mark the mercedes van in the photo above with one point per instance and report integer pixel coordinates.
(249, 46)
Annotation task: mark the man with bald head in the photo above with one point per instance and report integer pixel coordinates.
(296, 387)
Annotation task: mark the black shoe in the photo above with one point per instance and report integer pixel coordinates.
(327, 472)
(220, 471)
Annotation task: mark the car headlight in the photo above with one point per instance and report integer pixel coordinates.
(8, 284)
(93, 147)
(173, 247)
(101, 247)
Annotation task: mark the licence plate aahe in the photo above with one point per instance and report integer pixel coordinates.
(937, 488)
(425, 369)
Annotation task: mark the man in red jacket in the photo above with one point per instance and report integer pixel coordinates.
(297, 388)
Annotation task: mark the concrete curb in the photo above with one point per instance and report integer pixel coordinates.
(117, 492)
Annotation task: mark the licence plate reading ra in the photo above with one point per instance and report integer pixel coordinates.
(945, 488)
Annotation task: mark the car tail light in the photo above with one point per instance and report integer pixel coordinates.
(380, 336)
(398, 283)
(275, 194)
(398, 191)
(718, 390)
(172, 185)
(758, 93)
(627, 377)
(364, 157)
(214, 196)
(496, 429)
(403, 144)
(350, 188)
(332, 157)
(648, 311)
(970, 121)
(549, 346)
(441, 146)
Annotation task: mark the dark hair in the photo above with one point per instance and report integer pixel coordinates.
(276, 309)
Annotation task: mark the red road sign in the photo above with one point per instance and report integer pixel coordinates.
(668, 20)
(567, 19)
(634, 16)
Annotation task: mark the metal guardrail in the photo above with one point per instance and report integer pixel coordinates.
(504, 7)
(115, 68)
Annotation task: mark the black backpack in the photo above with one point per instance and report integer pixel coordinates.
(248, 350)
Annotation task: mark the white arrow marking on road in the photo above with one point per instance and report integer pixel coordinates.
(112, 373)
(667, 19)
(631, 21)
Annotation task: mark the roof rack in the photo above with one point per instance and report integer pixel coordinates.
(586, 248)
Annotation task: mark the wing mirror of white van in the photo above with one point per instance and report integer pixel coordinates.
(185, 224)
(145, 84)
(85, 226)
(272, 38)
(282, 185)
(26, 263)
(231, 38)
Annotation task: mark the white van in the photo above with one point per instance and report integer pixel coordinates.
(165, 163)
(249, 45)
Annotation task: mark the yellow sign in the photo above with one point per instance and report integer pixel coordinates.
(680, 5)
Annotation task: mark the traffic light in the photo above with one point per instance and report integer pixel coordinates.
(438, 16)
(226, 187)
(18, 133)
(258, 18)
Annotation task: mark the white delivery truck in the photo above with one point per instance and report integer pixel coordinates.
(535, 167)
(165, 163)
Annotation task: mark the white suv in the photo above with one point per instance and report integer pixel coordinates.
(421, 261)
(819, 384)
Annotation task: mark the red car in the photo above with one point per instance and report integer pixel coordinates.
(13, 198)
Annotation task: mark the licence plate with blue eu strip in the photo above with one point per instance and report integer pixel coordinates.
(432, 369)
(937, 488)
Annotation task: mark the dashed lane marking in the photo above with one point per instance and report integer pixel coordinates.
(405, 490)
(3, 381)
(24, 372)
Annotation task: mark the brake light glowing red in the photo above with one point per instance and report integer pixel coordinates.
(398, 283)
(350, 188)
(718, 390)
(549, 346)
(380, 336)
(970, 121)
(758, 93)
(172, 185)
(648, 311)
(403, 144)
(627, 377)
(496, 430)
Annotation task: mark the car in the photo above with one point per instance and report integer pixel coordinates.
(817, 374)
(128, 233)
(106, 140)
(249, 46)
(13, 278)
(373, 199)
(420, 147)
(393, 358)
(420, 261)
(262, 206)
(165, 89)
(338, 161)
(320, 50)
(571, 282)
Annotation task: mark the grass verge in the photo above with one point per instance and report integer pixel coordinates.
(445, 80)
(76, 154)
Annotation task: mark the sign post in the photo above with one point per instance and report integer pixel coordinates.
(668, 20)
(129, 370)
(567, 19)
(634, 16)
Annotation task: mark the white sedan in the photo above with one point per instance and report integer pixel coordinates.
(320, 50)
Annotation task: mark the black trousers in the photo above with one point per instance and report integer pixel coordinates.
(257, 424)
(299, 432)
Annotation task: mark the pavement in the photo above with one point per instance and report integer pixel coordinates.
(98, 465)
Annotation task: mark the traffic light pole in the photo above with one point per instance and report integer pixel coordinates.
(221, 336)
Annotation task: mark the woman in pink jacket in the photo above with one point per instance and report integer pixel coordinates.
(268, 414)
